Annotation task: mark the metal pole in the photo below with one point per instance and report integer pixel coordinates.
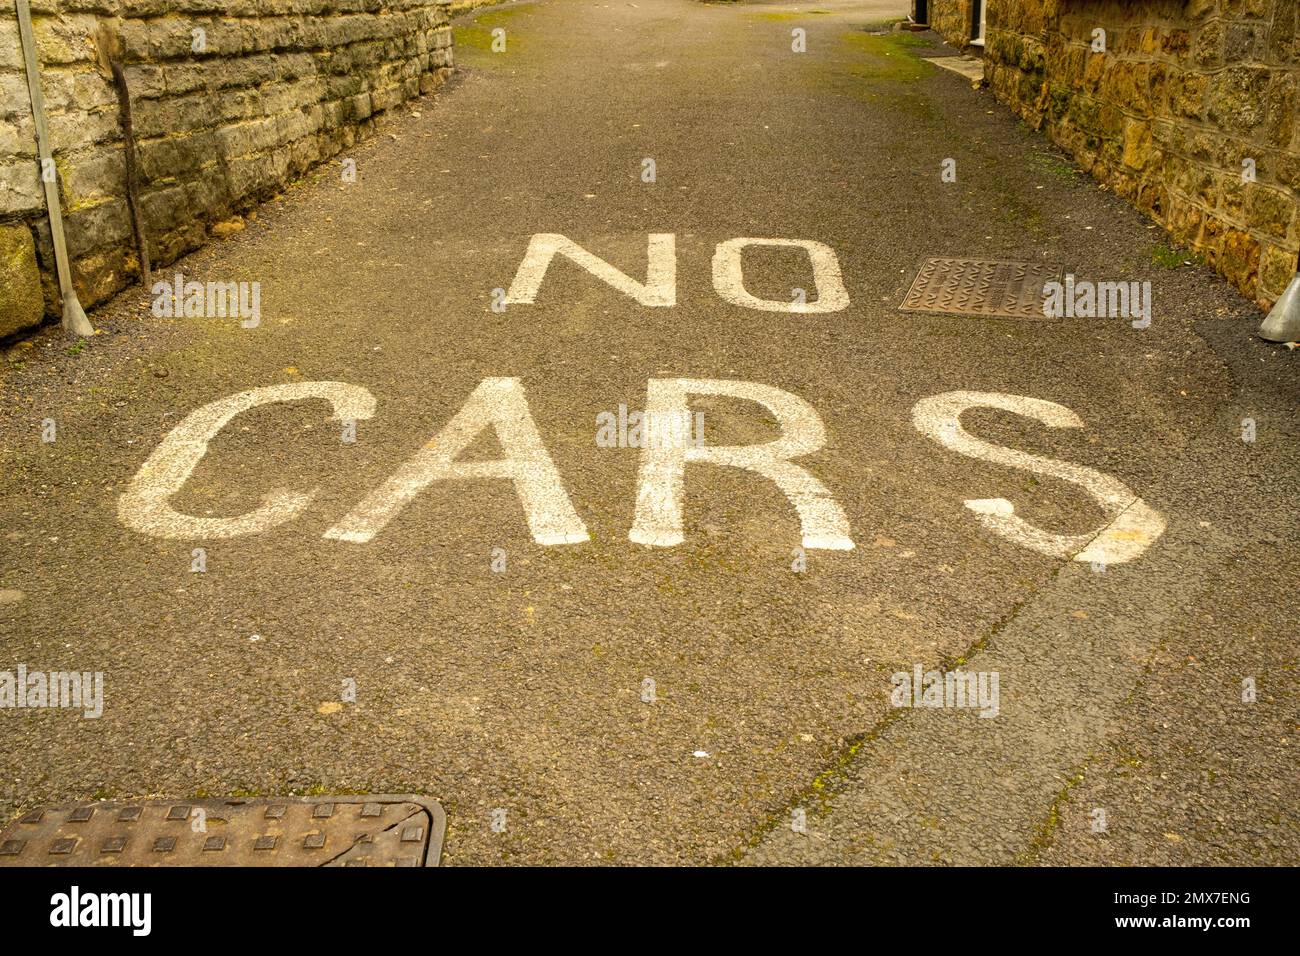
(1282, 324)
(74, 317)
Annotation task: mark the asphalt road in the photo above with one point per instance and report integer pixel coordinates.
(522, 689)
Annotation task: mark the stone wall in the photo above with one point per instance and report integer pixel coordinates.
(953, 20)
(1186, 93)
(223, 119)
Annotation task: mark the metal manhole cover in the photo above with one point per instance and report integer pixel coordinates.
(361, 830)
(981, 287)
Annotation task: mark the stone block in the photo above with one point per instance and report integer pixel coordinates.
(1270, 211)
(22, 301)
(1277, 266)
(94, 227)
(18, 139)
(1246, 8)
(1244, 42)
(11, 54)
(1232, 197)
(1238, 100)
(1283, 43)
(1239, 262)
(65, 39)
(15, 101)
(1187, 92)
(1208, 46)
(1137, 144)
(21, 190)
(95, 176)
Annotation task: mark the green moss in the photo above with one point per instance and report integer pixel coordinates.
(1043, 835)
(886, 57)
(477, 34)
(1060, 102)
(781, 17)
(1053, 166)
(1171, 257)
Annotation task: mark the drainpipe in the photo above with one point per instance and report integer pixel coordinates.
(1282, 324)
(74, 317)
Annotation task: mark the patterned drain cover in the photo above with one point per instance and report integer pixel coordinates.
(981, 287)
(364, 830)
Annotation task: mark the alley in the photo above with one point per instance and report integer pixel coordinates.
(640, 665)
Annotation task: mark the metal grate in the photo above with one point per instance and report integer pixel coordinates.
(367, 830)
(984, 287)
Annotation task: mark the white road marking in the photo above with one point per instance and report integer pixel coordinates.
(661, 479)
(1132, 526)
(143, 506)
(729, 278)
(659, 289)
(498, 403)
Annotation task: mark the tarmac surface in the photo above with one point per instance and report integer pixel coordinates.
(524, 688)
